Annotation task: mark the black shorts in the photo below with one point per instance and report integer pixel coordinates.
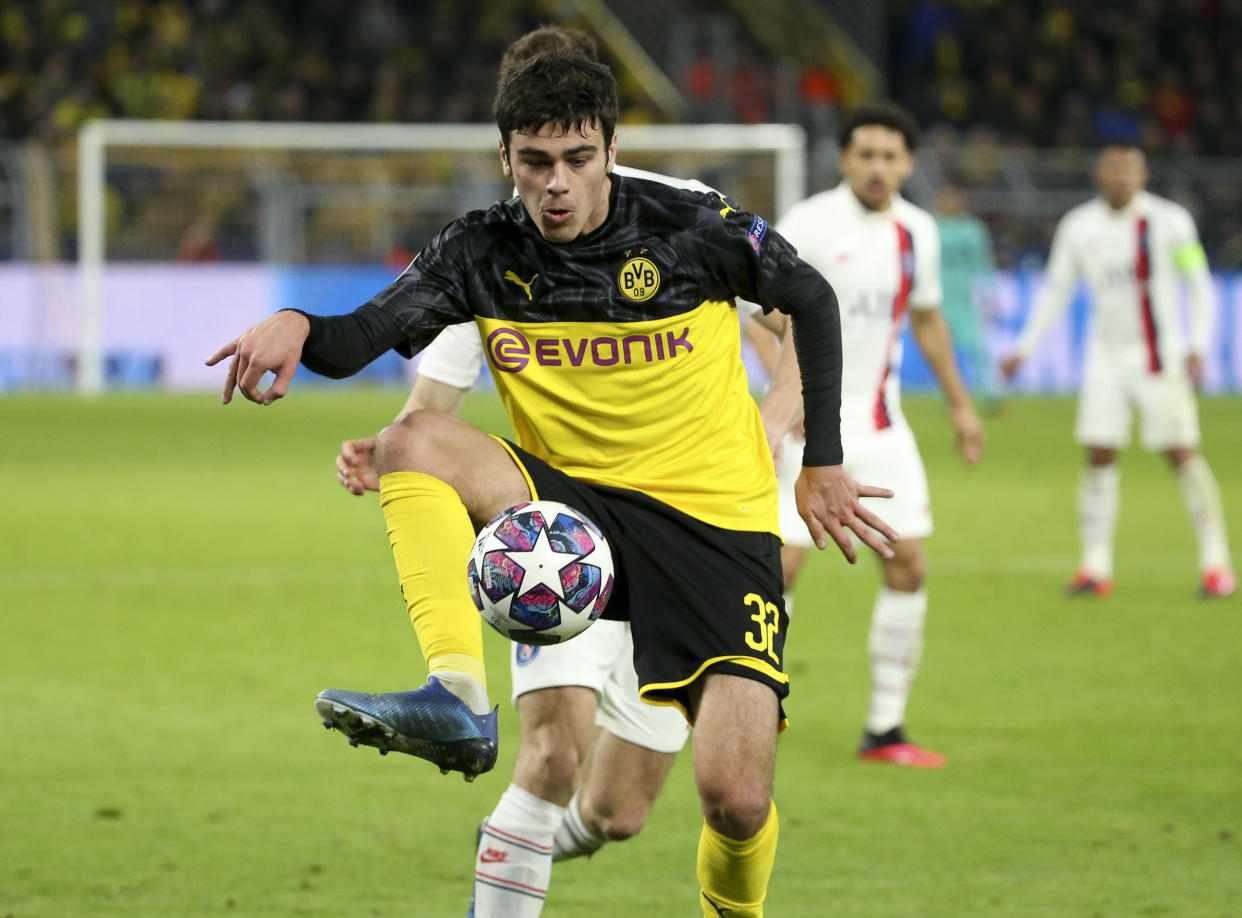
(697, 597)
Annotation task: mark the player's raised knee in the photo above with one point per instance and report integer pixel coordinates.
(420, 441)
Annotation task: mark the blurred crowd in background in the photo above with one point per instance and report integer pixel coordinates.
(1165, 74)
(981, 76)
(291, 60)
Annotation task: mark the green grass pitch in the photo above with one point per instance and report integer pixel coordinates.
(178, 580)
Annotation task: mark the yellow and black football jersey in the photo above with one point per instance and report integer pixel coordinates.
(618, 355)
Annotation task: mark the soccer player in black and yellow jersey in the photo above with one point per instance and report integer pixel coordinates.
(606, 306)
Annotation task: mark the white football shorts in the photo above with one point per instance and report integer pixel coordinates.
(886, 458)
(1111, 393)
(601, 658)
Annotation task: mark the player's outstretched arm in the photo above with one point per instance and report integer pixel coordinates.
(355, 464)
(828, 501)
(274, 345)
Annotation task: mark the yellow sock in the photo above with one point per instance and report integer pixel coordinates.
(733, 875)
(431, 536)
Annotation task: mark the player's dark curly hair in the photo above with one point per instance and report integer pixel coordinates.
(561, 88)
(549, 38)
(883, 113)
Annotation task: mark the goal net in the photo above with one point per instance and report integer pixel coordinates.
(190, 230)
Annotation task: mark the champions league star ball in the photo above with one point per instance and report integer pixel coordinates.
(540, 573)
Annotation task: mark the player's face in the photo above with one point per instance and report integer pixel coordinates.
(562, 178)
(875, 163)
(1120, 173)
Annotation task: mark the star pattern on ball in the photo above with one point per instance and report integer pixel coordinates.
(542, 565)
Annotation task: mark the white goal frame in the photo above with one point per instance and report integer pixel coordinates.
(786, 141)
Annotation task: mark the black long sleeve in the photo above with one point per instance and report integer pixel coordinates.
(340, 346)
(811, 304)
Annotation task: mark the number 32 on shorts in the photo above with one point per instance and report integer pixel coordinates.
(767, 618)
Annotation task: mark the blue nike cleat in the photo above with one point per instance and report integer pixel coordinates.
(430, 722)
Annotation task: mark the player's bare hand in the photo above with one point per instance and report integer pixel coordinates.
(968, 434)
(1194, 366)
(274, 345)
(828, 501)
(355, 466)
(1010, 365)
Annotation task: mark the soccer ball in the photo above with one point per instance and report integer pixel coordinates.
(540, 572)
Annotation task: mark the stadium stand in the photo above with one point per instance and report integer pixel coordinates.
(1163, 73)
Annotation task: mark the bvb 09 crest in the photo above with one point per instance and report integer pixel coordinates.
(639, 279)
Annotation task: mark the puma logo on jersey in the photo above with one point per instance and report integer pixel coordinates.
(525, 285)
(728, 208)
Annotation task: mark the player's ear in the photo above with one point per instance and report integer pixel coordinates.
(611, 160)
(504, 160)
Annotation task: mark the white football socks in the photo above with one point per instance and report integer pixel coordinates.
(573, 837)
(513, 864)
(467, 688)
(1207, 513)
(1099, 499)
(895, 646)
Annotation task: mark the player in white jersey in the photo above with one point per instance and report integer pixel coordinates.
(882, 256)
(1133, 250)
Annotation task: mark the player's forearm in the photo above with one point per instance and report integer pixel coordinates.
(781, 405)
(433, 395)
(1049, 306)
(1201, 302)
(931, 334)
(340, 346)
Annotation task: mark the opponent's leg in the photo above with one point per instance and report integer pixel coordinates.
(1207, 517)
(513, 864)
(619, 785)
(895, 648)
(1099, 501)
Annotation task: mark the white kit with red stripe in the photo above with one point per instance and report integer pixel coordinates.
(1127, 259)
(1133, 261)
(881, 264)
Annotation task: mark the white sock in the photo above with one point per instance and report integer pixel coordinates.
(573, 838)
(895, 646)
(1099, 499)
(1207, 514)
(513, 865)
(467, 688)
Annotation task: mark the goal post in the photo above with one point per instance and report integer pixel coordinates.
(260, 146)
